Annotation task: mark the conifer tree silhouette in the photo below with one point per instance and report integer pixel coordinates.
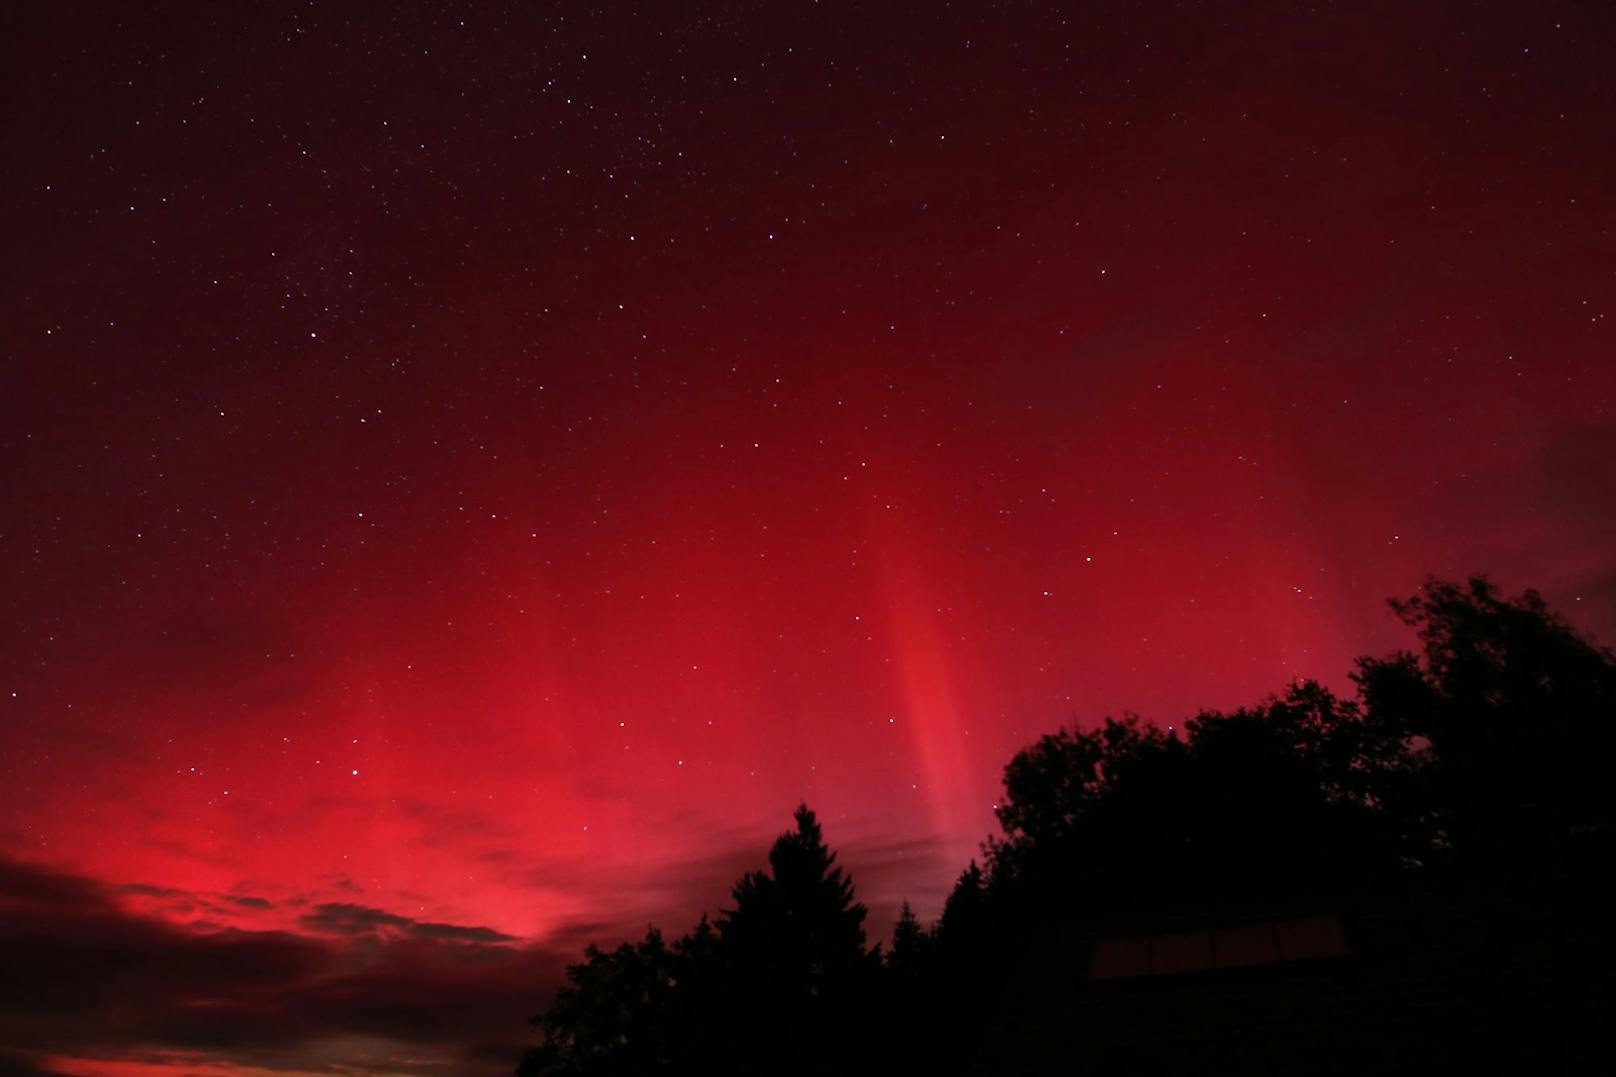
(1491, 742)
(795, 950)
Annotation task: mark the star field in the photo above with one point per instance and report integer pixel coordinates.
(483, 466)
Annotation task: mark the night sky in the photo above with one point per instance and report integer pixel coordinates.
(469, 473)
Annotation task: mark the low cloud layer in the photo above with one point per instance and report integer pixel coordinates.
(93, 971)
(85, 977)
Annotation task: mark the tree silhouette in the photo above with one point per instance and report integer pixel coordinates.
(787, 967)
(615, 1017)
(1127, 813)
(795, 950)
(798, 925)
(966, 905)
(1514, 710)
(1491, 742)
(911, 945)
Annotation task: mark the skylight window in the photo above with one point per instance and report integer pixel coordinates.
(1273, 942)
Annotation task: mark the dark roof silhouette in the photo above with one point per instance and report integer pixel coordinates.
(1457, 970)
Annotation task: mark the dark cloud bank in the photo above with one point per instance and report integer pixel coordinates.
(82, 976)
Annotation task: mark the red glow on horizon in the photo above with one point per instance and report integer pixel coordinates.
(491, 488)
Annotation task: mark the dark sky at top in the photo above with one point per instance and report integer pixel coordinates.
(470, 472)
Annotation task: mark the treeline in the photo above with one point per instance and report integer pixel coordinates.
(1489, 743)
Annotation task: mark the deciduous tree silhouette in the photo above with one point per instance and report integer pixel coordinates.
(1515, 711)
(1128, 813)
(616, 1016)
(1492, 739)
